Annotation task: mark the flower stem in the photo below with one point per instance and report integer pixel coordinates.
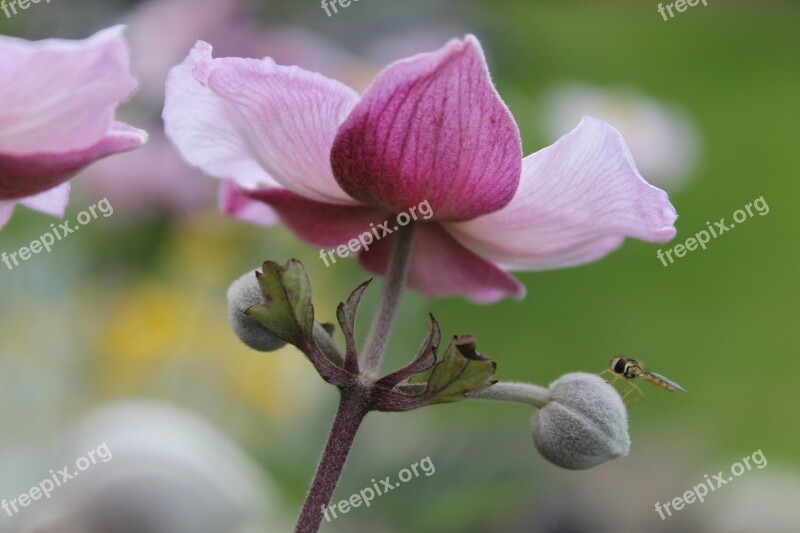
(396, 276)
(351, 412)
(509, 391)
(327, 345)
(354, 403)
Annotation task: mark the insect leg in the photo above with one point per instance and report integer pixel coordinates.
(632, 386)
(614, 376)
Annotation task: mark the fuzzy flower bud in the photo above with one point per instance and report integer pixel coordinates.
(583, 424)
(243, 294)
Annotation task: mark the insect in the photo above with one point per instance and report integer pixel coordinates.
(631, 368)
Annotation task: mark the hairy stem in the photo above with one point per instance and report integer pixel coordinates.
(327, 345)
(510, 391)
(351, 412)
(354, 404)
(393, 287)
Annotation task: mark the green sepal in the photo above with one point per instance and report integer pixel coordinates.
(462, 370)
(287, 311)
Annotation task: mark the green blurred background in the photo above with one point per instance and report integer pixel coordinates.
(135, 307)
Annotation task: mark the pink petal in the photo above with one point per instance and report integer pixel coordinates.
(197, 122)
(577, 201)
(6, 210)
(319, 223)
(282, 119)
(60, 96)
(431, 127)
(234, 203)
(662, 138)
(27, 175)
(440, 266)
(53, 202)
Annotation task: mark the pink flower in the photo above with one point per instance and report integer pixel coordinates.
(430, 128)
(663, 137)
(154, 180)
(57, 104)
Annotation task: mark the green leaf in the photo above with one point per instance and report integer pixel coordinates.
(422, 377)
(462, 370)
(287, 312)
(421, 366)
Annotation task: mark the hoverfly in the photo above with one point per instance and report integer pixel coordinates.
(629, 369)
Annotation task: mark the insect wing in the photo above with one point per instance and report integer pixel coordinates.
(661, 381)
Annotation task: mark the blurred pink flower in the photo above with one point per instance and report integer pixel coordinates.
(150, 181)
(155, 179)
(161, 30)
(57, 116)
(663, 138)
(430, 128)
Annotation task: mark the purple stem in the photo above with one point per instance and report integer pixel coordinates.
(393, 287)
(351, 412)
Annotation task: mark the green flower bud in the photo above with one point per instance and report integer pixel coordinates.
(583, 424)
(243, 294)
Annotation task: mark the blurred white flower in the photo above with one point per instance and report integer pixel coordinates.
(758, 501)
(663, 138)
(169, 472)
